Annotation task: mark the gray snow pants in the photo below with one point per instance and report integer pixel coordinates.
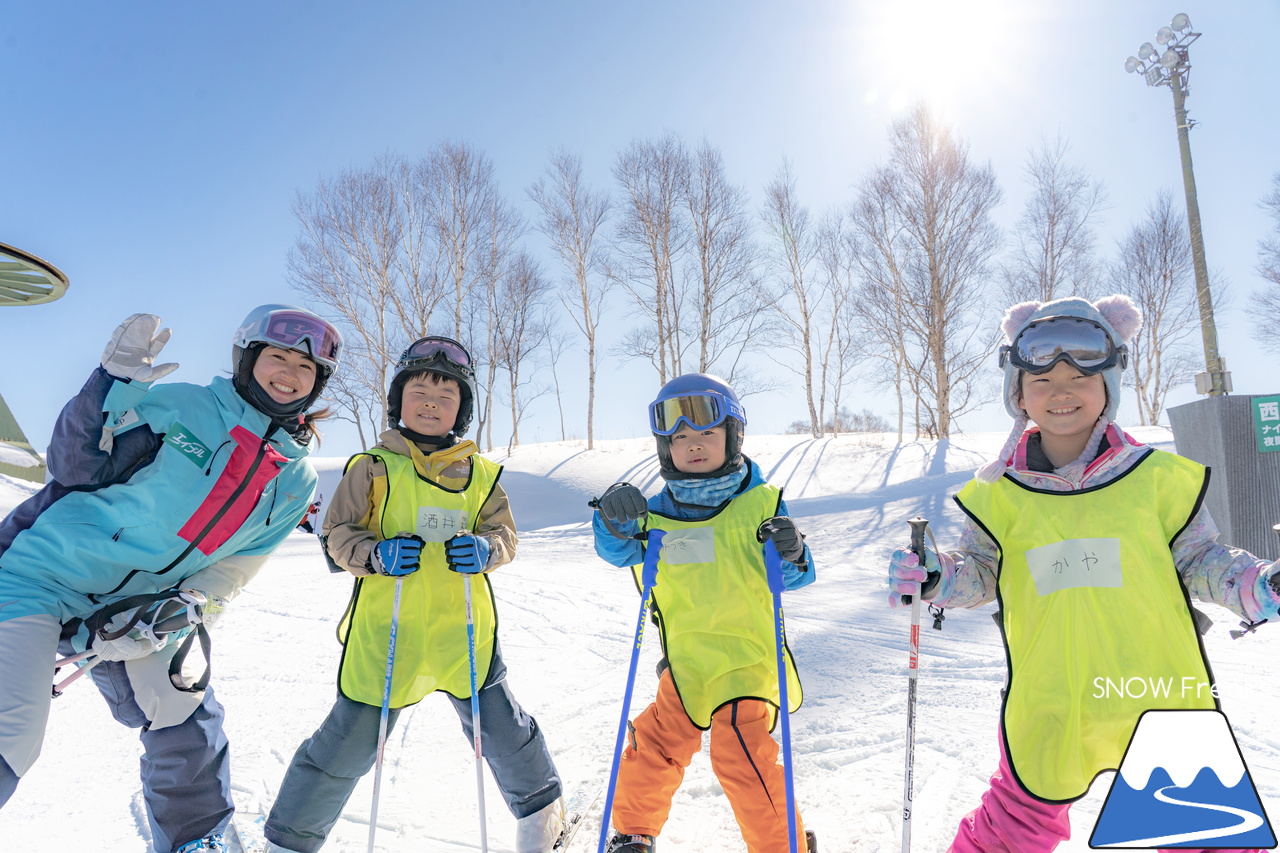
(186, 771)
(327, 765)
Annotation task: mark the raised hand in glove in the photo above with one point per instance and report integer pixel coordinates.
(132, 352)
(467, 554)
(146, 629)
(623, 502)
(907, 577)
(785, 537)
(397, 556)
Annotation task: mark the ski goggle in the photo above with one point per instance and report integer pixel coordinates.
(290, 329)
(432, 350)
(697, 411)
(1083, 343)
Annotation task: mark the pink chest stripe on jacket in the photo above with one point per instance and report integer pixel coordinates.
(235, 494)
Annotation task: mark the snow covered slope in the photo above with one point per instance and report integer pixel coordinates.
(566, 624)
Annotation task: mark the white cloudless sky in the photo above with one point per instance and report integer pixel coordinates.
(153, 151)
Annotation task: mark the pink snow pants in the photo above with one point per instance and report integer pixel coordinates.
(1012, 821)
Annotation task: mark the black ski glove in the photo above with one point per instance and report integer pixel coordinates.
(623, 502)
(782, 532)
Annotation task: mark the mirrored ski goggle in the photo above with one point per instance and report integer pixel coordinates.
(293, 329)
(697, 411)
(426, 351)
(1044, 343)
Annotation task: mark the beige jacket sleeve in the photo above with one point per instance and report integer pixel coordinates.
(347, 536)
(498, 526)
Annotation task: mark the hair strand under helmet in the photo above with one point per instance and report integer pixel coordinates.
(444, 357)
(699, 401)
(1117, 315)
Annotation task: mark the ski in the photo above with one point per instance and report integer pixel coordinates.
(575, 811)
(242, 837)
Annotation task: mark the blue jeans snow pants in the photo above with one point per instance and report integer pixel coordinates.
(327, 765)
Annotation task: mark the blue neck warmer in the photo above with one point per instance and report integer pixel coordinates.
(710, 492)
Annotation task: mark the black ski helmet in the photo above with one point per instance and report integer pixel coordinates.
(439, 355)
(287, 327)
(700, 401)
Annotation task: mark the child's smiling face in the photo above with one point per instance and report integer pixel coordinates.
(430, 404)
(1065, 404)
(698, 451)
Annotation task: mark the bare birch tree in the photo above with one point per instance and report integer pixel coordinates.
(796, 297)
(720, 277)
(572, 216)
(929, 241)
(1154, 269)
(1266, 304)
(840, 349)
(1054, 253)
(362, 254)
(652, 234)
(523, 326)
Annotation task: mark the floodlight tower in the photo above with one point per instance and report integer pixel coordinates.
(1172, 68)
(24, 280)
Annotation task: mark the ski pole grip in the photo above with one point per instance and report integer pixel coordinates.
(652, 551)
(918, 527)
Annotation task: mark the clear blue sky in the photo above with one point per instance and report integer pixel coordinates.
(153, 150)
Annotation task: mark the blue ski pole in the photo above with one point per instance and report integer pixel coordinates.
(386, 711)
(648, 579)
(773, 569)
(475, 714)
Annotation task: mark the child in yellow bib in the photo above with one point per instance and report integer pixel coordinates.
(1093, 544)
(714, 611)
(420, 510)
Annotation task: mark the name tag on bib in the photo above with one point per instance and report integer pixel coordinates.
(694, 545)
(440, 525)
(1075, 563)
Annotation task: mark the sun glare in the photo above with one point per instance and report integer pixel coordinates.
(945, 52)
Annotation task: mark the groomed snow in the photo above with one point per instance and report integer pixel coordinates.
(566, 623)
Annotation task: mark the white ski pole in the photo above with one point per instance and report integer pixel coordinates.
(918, 526)
(475, 714)
(386, 711)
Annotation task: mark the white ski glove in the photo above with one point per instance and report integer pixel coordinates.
(133, 349)
(153, 627)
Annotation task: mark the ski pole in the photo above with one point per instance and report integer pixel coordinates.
(773, 570)
(386, 711)
(918, 527)
(475, 713)
(648, 579)
(67, 682)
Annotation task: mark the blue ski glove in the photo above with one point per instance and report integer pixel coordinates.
(782, 532)
(906, 577)
(398, 556)
(623, 502)
(467, 554)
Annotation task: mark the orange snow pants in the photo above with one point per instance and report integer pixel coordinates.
(744, 756)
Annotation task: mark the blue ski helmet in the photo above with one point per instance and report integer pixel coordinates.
(698, 401)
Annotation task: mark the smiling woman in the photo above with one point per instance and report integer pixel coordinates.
(941, 52)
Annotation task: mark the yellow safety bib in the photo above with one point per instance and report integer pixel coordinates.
(431, 637)
(1097, 624)
(714, 609)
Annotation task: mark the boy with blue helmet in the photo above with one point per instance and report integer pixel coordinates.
(714, 611)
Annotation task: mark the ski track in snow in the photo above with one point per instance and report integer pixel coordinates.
(566, 623)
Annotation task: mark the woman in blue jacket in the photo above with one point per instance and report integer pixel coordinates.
(163, 502)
